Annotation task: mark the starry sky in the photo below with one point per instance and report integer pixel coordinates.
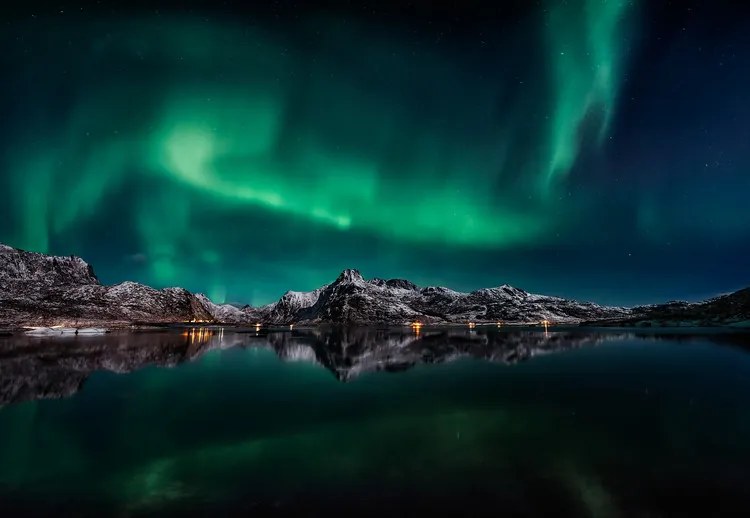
(595, 149)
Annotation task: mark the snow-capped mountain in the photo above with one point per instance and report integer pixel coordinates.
(289, 306)
(227, 313)
(727, 310)
(352, 299)
(39, 271)
(43, 290)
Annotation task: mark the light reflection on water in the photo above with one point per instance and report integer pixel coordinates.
(613, 423)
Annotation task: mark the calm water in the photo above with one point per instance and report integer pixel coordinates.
(386, 422)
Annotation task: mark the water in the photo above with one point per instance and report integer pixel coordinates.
(380, 422)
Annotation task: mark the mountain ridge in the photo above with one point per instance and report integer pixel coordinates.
(42, 290)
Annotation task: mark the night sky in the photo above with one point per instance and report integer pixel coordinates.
(595, 149)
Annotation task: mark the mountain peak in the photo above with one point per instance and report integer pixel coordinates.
(402, 284)
(505, 290)
(350, 275)
(21, 266)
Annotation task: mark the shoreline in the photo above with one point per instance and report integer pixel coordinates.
(102, 328)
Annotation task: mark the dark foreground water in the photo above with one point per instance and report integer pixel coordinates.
(379, 422)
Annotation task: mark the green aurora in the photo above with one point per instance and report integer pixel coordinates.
(243, 158)
(234, 126)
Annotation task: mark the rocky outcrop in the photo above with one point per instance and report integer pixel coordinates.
(728, 310)
(351, 299)
(228, 313)
(43, 290)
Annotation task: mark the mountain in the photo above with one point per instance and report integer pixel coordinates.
(43, 290)
(227, 313)
(727, 310)
(351, 299)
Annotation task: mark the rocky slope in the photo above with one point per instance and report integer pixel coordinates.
(352, 299)
(227, 313)
(727, 310)
(42, 290)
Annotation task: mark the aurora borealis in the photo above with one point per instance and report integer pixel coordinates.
(593, 149)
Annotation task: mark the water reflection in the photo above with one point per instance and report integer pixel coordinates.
(54, 367)
(623, 426)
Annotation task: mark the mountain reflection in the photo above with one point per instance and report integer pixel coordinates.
(54, 367)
